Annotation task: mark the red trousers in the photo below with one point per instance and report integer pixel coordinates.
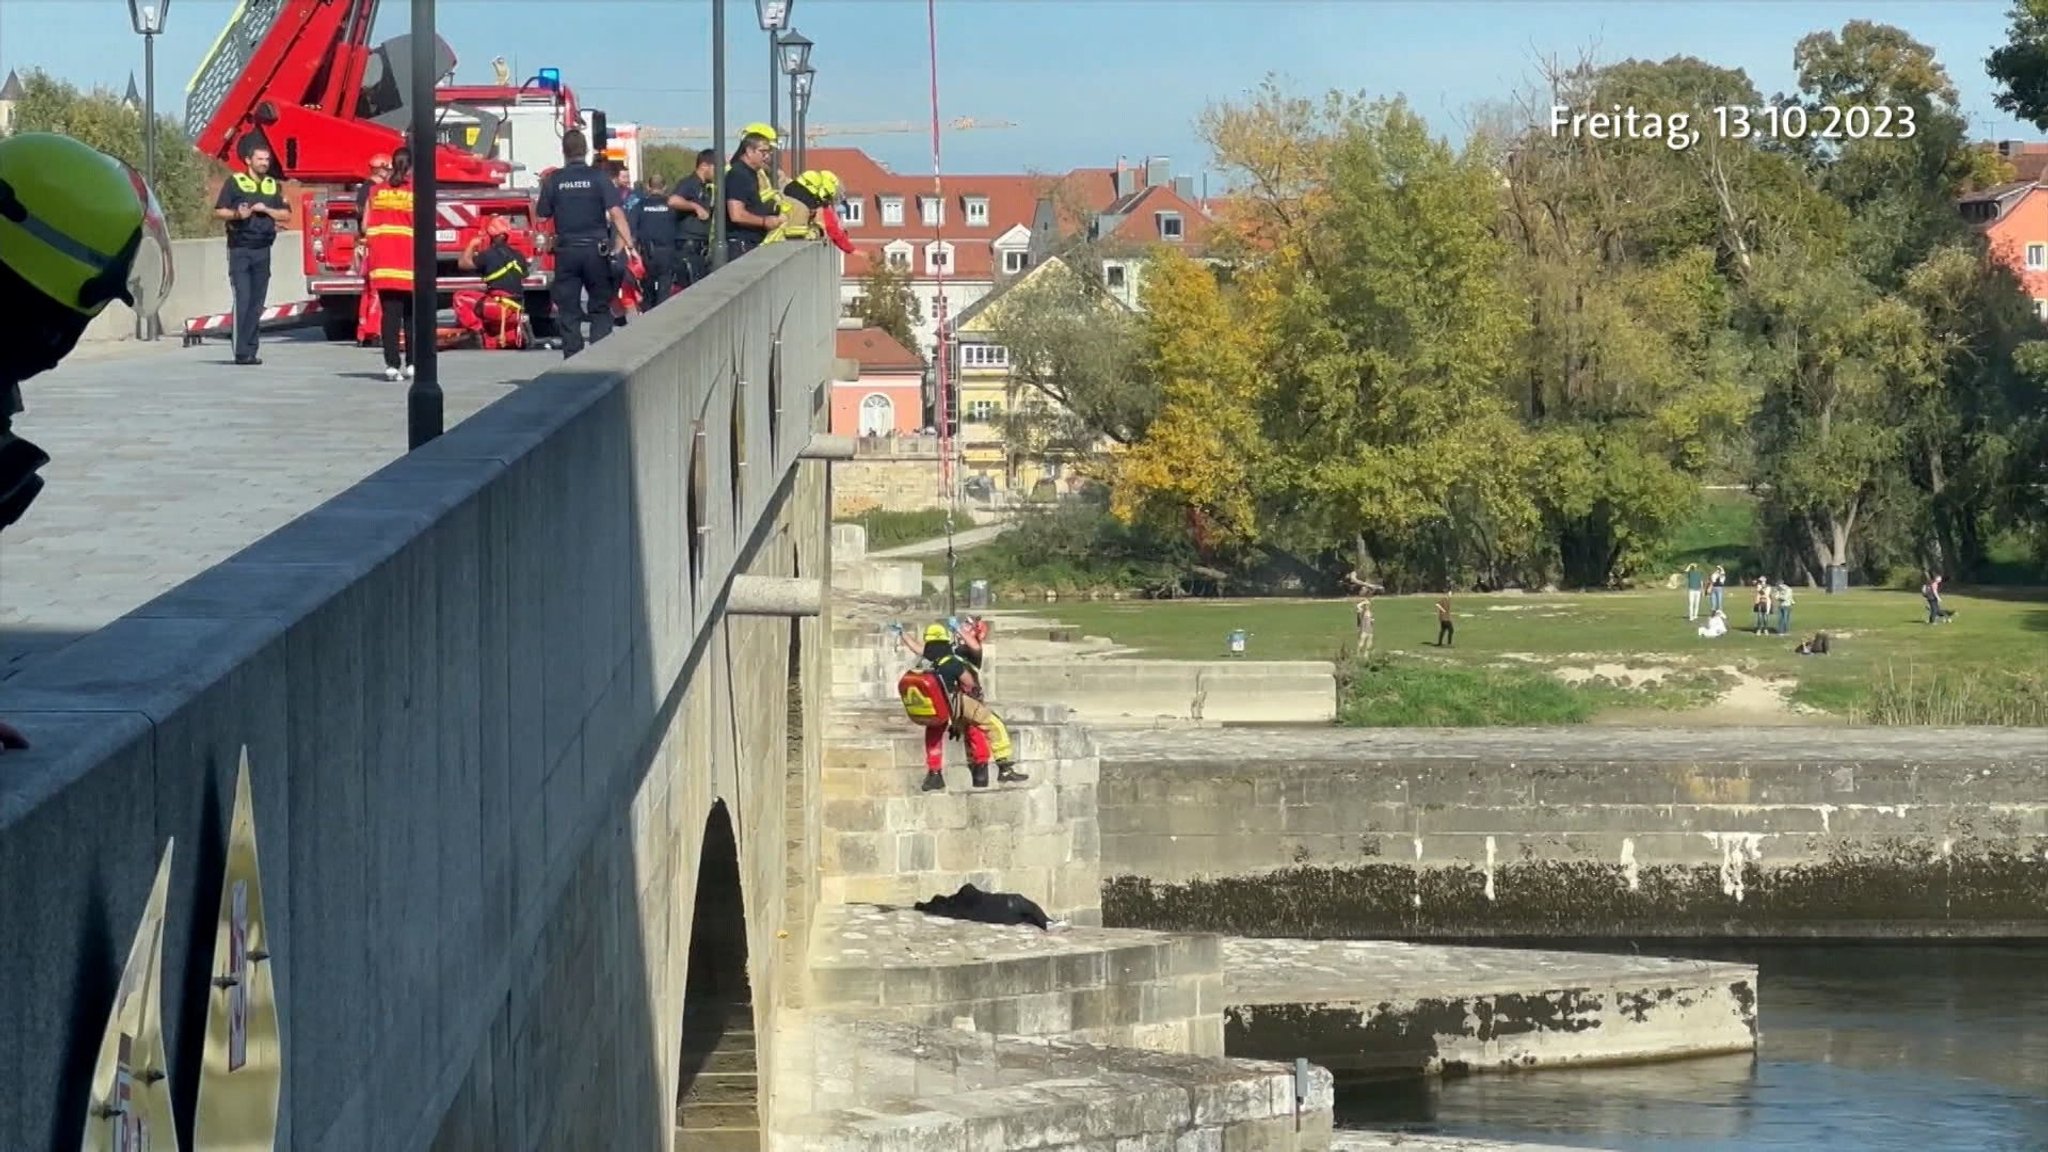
(935, 748)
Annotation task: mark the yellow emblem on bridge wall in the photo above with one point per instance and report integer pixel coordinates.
(242, 1077)
(131, 1087)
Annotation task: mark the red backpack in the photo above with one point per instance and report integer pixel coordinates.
(924, 698)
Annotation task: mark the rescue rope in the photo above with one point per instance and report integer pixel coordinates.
(942, 349)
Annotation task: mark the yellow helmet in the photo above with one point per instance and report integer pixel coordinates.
(81, 227)
(828, 184)
(936, 634)
(764, 131)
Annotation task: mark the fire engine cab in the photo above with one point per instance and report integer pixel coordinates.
(301, 79)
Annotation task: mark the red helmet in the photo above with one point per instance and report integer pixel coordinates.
(498, 226)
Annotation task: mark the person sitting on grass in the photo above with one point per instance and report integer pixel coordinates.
(1716, 625)
(1814, 645)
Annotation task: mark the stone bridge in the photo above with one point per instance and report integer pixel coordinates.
(511, 725)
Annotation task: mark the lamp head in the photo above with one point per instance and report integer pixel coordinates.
(796, 52)
(773, 14)
(148, 16)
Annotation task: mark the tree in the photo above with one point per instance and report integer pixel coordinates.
(103, 120)
(1202, 456)
(2020, 65)
(886, 302)
(1077, 347)
(667, 161)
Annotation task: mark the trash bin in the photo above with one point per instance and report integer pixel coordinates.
(1236, 640)
(1838, 578)
(977, 594)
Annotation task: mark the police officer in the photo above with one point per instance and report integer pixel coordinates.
(252, 203)
(692, 201)
(654, 227)
(749, 209)
(585, 206)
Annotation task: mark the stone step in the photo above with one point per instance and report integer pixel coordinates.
(718, 1140)
(708, 1115)
(725, 1061)
(722, 1088)
(708, 1037)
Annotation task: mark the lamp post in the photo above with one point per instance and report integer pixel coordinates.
(423, 409)
(718, 220)
(795, 50)
(774, 16)
(800, 113)
(148, 18)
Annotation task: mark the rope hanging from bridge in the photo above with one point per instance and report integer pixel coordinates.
(942, 351)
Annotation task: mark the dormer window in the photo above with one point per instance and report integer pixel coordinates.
(977, 211)
(938, 258)
(932, 210)
(892, 211)
(1169, 225)
(898, 255)
(1015, 262)
(851, 213)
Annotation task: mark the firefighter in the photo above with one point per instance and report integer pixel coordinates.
(252, 204)
(750, 208)
(78, 231)
(585, 207)
(807, 211)
(942, 693)
(380, 171)
(692, 201)
(387, 262)
(654, 227)
(369, 322)
(497, 314)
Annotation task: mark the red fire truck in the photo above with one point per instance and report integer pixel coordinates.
(301, 79)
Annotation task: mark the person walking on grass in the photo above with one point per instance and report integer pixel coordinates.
(1717, 586)
(1445, 629)
(1363, 610)
(1781, 597)
(1693, 588)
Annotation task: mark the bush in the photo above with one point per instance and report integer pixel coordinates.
(99, 118)
(1076, 546)
(896, 529)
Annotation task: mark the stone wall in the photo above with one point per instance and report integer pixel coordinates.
(200, 287)
(885, 842)
(489, 699)
(905, 484)
(1222, 691)
(1589, 832)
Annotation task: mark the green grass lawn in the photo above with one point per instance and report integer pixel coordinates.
(896, 529)
(1630, 657)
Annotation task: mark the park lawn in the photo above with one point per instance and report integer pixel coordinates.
(1629, 657)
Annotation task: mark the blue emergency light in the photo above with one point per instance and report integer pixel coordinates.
(549, 78)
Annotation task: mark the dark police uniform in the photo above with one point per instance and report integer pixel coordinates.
(744, 185)
(249, 244)
(654, 230)
(693, 235)
(579, 199)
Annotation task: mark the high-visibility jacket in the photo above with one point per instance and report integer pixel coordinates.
(387, 236)
(807, 212)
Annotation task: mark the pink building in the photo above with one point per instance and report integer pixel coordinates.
(886, 396)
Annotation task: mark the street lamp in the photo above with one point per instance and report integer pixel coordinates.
(424, 414)
(148, 19)
(774, 16)
(718, 221)
(800, 113)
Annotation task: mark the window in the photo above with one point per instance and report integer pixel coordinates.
(2041, 309)
(982, 411)
(1114, 274)
(852, 306)
(932, 210)
(877, 415)
(984, 356)
(1015, 262)
(977, 211)
(899, 259)
(850, 213)
(1169, 226)
(2037, 257)
(892, 211)
(938, 257)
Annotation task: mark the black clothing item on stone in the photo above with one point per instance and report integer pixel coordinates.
(971, 903)
(578, 198)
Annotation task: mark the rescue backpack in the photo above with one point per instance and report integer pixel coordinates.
(924, 698)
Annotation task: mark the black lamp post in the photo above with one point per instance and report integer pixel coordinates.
(795, 51)
(774, 17)
(718, 220)
(423, 409)
(800, 113)
(148, 18)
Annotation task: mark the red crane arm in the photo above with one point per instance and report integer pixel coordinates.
(292, 71)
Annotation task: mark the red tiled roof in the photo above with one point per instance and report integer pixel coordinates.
(877, 351)
(1012, 201)
(1140, 223)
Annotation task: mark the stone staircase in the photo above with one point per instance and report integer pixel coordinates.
(718, 1109)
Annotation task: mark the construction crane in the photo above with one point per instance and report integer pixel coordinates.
(817, 132)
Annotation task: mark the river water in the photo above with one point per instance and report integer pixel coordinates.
(1864, 1048)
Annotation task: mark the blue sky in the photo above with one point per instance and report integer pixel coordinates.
(1084, 80)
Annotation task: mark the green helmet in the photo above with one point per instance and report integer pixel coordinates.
(79, 226)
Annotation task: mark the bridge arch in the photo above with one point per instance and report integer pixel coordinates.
(718, 1077)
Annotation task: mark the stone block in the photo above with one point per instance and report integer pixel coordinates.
(858, 853)
(916, 851)
(865, 814)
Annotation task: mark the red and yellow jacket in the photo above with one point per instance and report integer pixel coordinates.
(387, 238)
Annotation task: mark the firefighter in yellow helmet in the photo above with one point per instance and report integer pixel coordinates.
(78, 230)
(809, 205)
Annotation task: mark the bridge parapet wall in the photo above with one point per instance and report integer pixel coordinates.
(490, 698)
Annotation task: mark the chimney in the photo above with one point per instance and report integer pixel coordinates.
(1184, 187)
(1045, 232)
(1126, 179)
(1158, 171)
